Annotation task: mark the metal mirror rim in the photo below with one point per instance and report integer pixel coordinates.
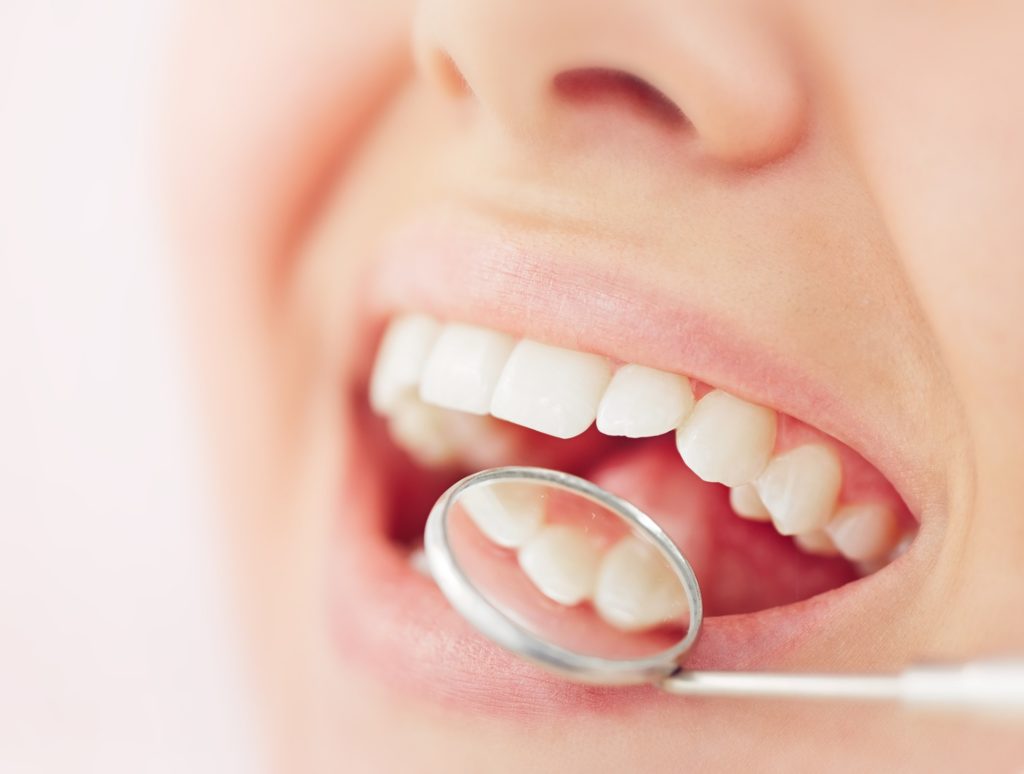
(501, 629)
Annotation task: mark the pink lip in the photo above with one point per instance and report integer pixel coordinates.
(396, 622)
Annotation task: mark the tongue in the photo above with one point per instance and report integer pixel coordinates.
(742, 566)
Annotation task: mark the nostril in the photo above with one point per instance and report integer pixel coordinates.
(592, 86)
(448, 75)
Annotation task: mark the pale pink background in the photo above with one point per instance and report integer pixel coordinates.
(116, 652)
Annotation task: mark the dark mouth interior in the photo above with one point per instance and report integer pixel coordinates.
(742, 566)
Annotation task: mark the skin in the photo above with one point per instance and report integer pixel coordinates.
(848, 178)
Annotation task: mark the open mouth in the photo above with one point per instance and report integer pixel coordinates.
(778, 518)
(708, 466)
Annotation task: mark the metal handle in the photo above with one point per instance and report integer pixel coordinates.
(984, 686)
(783, 685)
(995, 686)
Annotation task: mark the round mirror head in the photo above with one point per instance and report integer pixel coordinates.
(565, 574)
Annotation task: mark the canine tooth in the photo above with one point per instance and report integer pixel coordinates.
(641, 402)
(400, 359)
(746, 502)
(636, 589)
(550, 389)
(561, 562)
(864, 532)
(419, 430)
(727, 440)
(463, 367)
(509, 514)
(817, 542)
(799, 488)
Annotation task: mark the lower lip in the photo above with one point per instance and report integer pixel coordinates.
(388, 618)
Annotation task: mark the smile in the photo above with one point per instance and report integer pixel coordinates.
(785, 525)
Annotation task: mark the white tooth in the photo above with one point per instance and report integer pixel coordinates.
(509, 514)
(641, 402)
(727, 440)
(418, 561)
(463, 367)
(480, 442)
(902, 545)
(400, 358)
(562, 563)
(419, 430)
(864, 532)
(817, 542)
(636, 589)
(550, 389)
(799, 488)
(746, 502)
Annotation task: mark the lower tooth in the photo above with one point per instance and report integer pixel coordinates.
(418, 561)
(864, 532)
(635, 589)
(509, 514)
(818, 543)
(746, 502)
(799, 488)
(479, 441)
(419, 430)
(562, 563)
(902, 545)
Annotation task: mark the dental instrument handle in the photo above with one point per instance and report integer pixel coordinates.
(983, 686)
(995, 686)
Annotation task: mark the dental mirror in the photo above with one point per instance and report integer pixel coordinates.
(565, 574)
(535, 558)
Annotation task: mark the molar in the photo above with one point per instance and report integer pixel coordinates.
(550, 389)
(641, 402)
(562, 563)
(463, 367)
(400, 358)
(436, 437)
(636, 589)
(727, 440)
(800, 487)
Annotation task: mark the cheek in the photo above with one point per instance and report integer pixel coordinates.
(264, 104)
(927, 113)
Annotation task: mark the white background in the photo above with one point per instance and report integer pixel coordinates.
(115, 651)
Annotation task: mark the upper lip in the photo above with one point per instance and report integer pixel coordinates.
(519, 283)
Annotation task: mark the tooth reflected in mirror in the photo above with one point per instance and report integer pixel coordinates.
(567, 569)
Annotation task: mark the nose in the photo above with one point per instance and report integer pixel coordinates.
(721, 65)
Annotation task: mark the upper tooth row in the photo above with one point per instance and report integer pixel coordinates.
(553, 390)
(561, 392)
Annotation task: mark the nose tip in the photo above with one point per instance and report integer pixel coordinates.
(726, 76)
